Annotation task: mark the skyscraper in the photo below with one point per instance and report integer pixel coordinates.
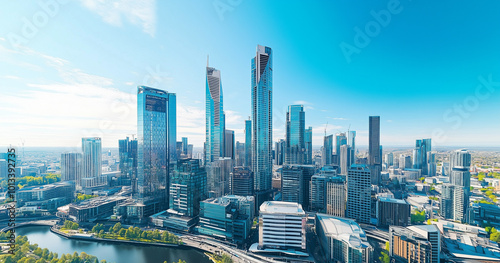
(241, 181)
(156, 144)
(127, 153)
(359, 193)
(460, 161)
(295, 132)
(185, 146)
(229, 144)
(422, 148)
(345, 158)
(248, 143)
(308, 142)
(262, 122)
(71, 167)
(374, 155)
(326, 154)
(92, 163)
(218, 173)
(215, 123)
(351, 141)
(188, 187)
(279, 152)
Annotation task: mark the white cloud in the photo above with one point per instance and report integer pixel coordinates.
(302, 102)
(338, 118)
(140, 13)
(11, 77)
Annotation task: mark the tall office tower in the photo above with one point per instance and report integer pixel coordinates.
(127, 153)
(374, 156)
(431, 164)
(229, 144)
(335, 198)
(215, 122)
(190, 151)
(71, 167)
(188, 187)
(241, 182)
(185, 146)
(345, 158)
(262, 123)
(295, 183)
(389, 159)
(248, 143)
(218, 173)
(308, 143)
(279, 152)
(282, 226)
(404, 161)
(317, 193)
(295, 132)
(326, 153)
(178, 150)
(340, 139)
(446, 201)
(92, 163)
(351, 141)
(156, 145)
(460, 177)
(239, 154)
(359, 193)
(422, 148)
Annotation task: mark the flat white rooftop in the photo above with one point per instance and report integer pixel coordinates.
(343, 229)
(276, 207)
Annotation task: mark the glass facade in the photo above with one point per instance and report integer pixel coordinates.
(188, 187)
(308, 144)
(156, 130)
(248, 143)
(326, 154)
(92, 163)
(295, 132)
(262, 127)
(215, 123)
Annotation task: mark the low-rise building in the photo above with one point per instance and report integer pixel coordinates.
(392, 212)
(342, 239)
(229, 217)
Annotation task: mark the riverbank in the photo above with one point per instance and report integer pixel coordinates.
(56, 231)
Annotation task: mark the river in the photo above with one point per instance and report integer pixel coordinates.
(111, 252)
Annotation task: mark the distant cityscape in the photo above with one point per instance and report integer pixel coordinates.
(268, 199)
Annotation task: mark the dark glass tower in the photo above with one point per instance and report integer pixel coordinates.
(156, 149)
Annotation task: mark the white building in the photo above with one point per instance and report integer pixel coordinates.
(282, 225)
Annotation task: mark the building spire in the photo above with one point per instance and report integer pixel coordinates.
(207, 61)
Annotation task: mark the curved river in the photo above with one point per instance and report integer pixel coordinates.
(111, 252)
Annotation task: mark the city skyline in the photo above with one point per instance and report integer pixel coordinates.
(95, 97)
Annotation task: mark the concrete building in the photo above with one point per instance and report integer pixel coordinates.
(420, 243)
(241, 181)
(335, 196)
(359, 193)
(282, 225)
(392, 212)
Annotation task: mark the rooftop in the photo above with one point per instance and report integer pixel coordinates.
(343, 229)
(277, 207)
(392, 200)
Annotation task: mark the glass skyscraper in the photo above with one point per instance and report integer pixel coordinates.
(248, 143)
(71, 167)
(295, 132)
(92, 163)
(156, 150)
(326, 154)
(262, 127)
(374, 153)
(422, 147)
(308, 142)
(215, 124)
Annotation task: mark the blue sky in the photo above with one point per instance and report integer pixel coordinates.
(70, 69)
